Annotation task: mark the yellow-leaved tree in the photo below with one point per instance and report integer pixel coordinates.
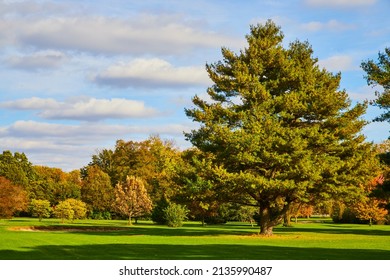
(132, 199)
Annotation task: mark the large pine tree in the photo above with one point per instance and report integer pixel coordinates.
(278, 128)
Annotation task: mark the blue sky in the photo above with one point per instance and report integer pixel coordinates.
(78, 75)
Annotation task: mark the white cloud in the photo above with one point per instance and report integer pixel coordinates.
(339, 63)
(86, 133)
(362, 93)
(143, 34)
(72, 146)
(86, 109)
(33, 103)
(340, 3)
(332, 25)
(37, 61)
(152, 73)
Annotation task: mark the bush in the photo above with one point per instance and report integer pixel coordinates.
(70, 209)
(40, 208)
(175, 214)
(64, 211)
(215, 220)
(100, 215)
(347, 217)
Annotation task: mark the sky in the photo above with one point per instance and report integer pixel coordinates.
(76, 76)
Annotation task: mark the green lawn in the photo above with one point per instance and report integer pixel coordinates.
(95, 240)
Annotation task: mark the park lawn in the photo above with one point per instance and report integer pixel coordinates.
(114, 240)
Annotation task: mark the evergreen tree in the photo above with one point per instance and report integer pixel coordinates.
(278, 128)
(378, 74)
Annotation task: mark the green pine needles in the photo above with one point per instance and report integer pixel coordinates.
(278, 129)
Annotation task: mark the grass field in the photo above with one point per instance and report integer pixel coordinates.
(29, 239)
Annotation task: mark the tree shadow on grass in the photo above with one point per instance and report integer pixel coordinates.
(221, 230)
(140, 230)
(189, 252)
(335, 229)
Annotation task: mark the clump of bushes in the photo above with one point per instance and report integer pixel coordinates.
(175, 214)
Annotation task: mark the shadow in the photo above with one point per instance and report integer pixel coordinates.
(334, 229)
(214, 230)
(188, 252)
(145, 229)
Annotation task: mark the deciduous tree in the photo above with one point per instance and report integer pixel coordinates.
(371, 208)
(40, 208)
(132, 199)
(12, 198)
(54, 184)
(16, 168)
(64, 211)
(278, 128)
(96, 189)
(79, 208)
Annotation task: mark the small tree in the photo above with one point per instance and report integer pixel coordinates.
(79, 208)
(40, 208)
(370, 210)
(12, 198)
(175, 214)
(64, 210)
(132, 199)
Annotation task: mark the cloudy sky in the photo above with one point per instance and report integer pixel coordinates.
(78, 75)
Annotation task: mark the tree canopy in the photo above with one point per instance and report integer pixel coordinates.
(378, 74)
(132, 199)
(278, 128)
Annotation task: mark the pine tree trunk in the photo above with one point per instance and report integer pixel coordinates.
(266, 227)
(269, 219)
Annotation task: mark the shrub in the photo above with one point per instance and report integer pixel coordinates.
(79, 208)
(64, 211)
(40, 208)
(70, 209)
(100, 215)
(175, 214)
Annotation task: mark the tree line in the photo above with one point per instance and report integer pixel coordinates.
(277, 138)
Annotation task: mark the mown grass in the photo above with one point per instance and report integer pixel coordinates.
(114, 240)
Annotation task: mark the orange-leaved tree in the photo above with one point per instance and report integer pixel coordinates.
(12, 198)
(370, 208)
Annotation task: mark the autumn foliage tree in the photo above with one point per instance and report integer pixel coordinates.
(64, 211)
(153, 160)
(96, 190)
(40, 208)
(16, 168)
(132, 199)
(278, 128)
(70, 209)
(12, 198)
(371, 208)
